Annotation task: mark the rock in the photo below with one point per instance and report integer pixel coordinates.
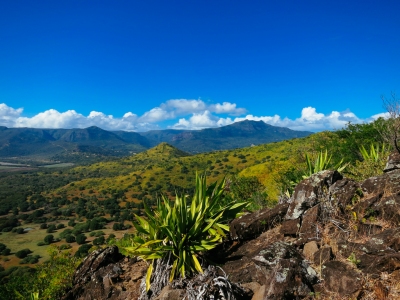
(105, 274)
(290, 227)
(388, 183)
(253, 286)
(322, 256)
(260, 294)
(341, 279)
(387, 208)
(309, 227)
(170, 294)
(393, 162)
(376, 264)
(344, 192)
(286, 273)
(369, 229)
(277, 266)
(252, 225)
(386, 240)
(308, 192)
(310, 249)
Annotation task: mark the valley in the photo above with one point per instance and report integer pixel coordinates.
(87, 205)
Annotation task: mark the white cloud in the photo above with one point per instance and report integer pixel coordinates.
(201, 120)
(227, 108)
(176, 108)
(184, 106)
(8, 115)
(381, 115)
(190, 114)
(310, 120)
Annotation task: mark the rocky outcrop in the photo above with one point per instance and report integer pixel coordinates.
(106, 274)
(251, 225)
(334, 239)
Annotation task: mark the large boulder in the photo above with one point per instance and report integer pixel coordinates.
(252, 225)
(279, 270)
(310, 192)
(106, 274)
(341, 279)
(393, 162)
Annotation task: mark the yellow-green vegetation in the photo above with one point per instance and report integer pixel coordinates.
(178, 233)
(105, 196)
(48, 281)
(165, 169)
(322, 162)
(372, 163)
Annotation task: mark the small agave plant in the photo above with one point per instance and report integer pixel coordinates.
(322, 162)
(375, 153)
(182, 232)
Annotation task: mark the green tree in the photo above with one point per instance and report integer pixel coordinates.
(80, 239)
(23, 253)
(48, 239)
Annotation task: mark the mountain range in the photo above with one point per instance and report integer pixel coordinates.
(63, 143)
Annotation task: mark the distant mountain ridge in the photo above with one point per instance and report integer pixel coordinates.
(50, 142)
(237, 135)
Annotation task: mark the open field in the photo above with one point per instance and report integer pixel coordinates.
(29, 240)
(60, 165)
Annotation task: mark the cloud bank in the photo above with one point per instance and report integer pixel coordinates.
(184, 113)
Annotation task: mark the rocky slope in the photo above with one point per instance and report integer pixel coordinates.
(333, 239)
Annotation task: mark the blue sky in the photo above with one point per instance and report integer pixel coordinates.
(140, 65)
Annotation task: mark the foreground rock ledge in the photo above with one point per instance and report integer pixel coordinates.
(335, 239)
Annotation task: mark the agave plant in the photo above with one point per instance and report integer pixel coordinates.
(322, 162)
(181, 231)
(374, 154)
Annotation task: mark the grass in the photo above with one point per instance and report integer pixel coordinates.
(29, 240)
(60, 165)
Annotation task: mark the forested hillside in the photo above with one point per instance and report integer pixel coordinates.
(86, 206)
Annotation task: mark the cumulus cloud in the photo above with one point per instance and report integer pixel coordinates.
(309, 120)
(202, 120)
(227, 108)
(189, 114)
(176, 108)
(8, 115)
(381, 115)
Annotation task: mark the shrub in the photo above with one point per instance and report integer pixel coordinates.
(55, 275)
(118, 226)
(23, 253)
(99, 241)
(110, 238)
(65, 233)
(48, 239)
(30, 259)
(83, 250)
(65, 247)
(182, 232)
(6, 252)
(2, 246)
(41, 243)
(51, 228)
(70, 239)
(80, 239)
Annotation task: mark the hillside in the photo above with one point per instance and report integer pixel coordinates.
(237, 135)
(97, 202)
(63, 143)
(71, 145)
(165, 168)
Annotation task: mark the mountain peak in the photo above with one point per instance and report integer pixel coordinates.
(166, 149)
